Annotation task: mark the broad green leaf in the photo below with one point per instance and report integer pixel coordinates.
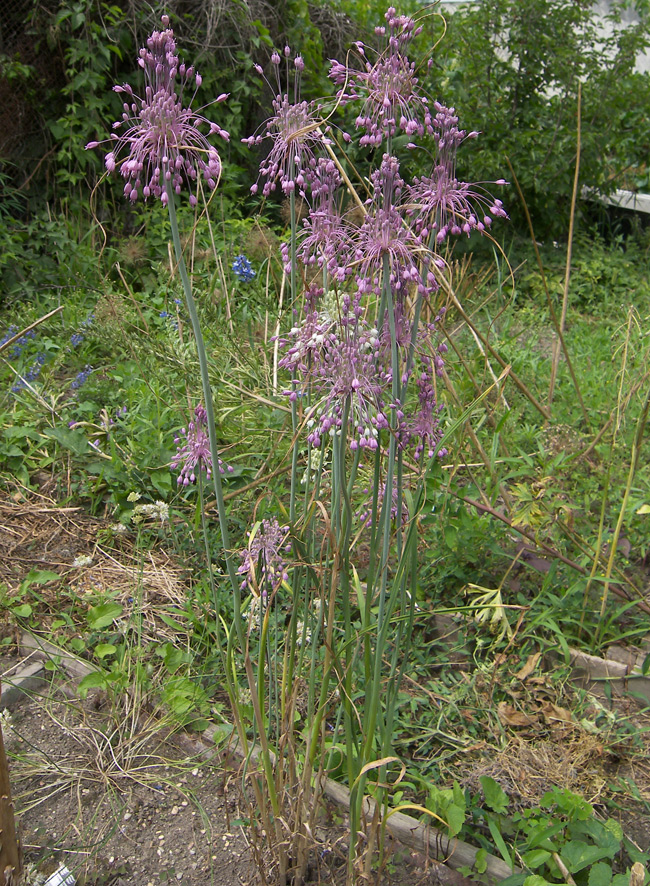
(23, 611)
(96, 680)
(495, 797)
(600, 874)
(480, 862)
(103, 615)
(75, 441)
(578, 855)
(102, 650)
(455, 818)
(535, 880)
(39, 577)
(536, 858)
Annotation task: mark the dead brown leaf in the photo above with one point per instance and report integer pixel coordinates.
(554, 713)
(510, 716)
(529, 667)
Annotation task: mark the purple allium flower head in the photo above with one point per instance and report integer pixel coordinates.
(263, 565)
(388, 87)
(365, 513)
(159, 133)
(442, 204)
(338, 363)
(424, 424)
(325, 232)
(294, 131)
(384, 234)
(193, 455)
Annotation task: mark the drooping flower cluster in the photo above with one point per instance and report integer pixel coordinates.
(293, 129)
(193, 455)
(384, 238)
(365, 513)
(262, 560)
(337, 363)
(243, 269)
(440, 203)
(160, 134)
(423, 424)
(351, 366)
(388, 87)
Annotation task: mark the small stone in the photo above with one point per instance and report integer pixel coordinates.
(174, 810)
(127, 816)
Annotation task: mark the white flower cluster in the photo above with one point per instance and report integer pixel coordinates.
(159, 510)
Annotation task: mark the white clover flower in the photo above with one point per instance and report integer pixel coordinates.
(82, 560)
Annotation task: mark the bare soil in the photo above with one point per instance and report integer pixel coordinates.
(118, 804)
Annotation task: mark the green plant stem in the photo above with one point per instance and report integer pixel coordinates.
(569, 249)
(209, 409)
(551, 309)
(634, 461)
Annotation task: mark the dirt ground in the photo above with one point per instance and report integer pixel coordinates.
(116, 804)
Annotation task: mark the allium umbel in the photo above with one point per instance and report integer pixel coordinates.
(293, 131)
(160, 133)
(441, 204)
(263, 565)
(388, 87)
(193, 454)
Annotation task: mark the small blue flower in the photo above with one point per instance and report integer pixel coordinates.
(18, 347)
(81, 378)
(76, 339)
(164, 314)
(243, 269)
(30, 376)
(9, 334)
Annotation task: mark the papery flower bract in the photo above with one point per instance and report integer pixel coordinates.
(243, 269)
(160, 133)
(388, 87)
(193, 455)
(263, 565)
(294, 131)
